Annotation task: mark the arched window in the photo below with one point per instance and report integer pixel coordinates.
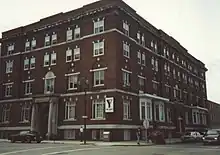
(49, 81)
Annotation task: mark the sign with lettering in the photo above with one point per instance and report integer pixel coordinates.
(109, 104)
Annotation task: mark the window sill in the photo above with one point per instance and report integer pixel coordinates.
(97, 119)
(46, 65)
(24, 122)
(101, 85)
(98, 55)
(32, 68)
(127, 119)
(69, 89)
(53, 64)
(8, 96)
(28, 94)
(7, 122)
(69, 120)
(76, 60)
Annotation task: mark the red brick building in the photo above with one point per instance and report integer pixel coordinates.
(107, 49)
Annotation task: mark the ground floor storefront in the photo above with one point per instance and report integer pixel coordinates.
(115, 111)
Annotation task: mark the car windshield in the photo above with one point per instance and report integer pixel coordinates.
(212, 132)
(23, 132)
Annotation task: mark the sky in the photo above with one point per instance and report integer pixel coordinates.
(194, 23)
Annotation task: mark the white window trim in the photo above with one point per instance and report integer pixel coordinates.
(75, 76)
(128, 104)
(53, 58)
(26, 92)
(94, 112)
(99, 22)
(33, 58)
(47, 61)
(147, 103)
(98, 42)
(97, 85)
(25, 108)
(68, 50)
(159, 103)
(69, 104)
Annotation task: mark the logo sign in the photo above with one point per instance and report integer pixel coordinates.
(109, 104)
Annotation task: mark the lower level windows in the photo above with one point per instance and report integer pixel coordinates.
(126, 109)
(8, 90)
(25, 113)
(98, 109)
(70, 110)
(159, 111)
(145, 109)
(70, 134)
(199, 117)
(5, 113)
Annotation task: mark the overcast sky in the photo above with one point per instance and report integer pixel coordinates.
(194, 23)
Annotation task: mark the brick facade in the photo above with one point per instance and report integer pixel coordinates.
(142, 68)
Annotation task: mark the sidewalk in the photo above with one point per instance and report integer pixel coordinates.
(101, 143)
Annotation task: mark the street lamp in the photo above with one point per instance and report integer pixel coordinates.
(83, 84)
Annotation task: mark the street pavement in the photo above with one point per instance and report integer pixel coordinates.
(7, 148)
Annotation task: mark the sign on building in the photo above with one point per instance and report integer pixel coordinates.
(109, 104)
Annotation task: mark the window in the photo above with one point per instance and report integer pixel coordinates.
(69, 34)
(139, 57)
(98, 109)
(33, 43)
(126, 109)
(167, 90)
(69, 134)
(10, 49)
(126, 28)
(72, 82)
(143, 40)
(70, 110)
(26, 64)
(154, 62)
(159, 111)
(28, 88)
(155, 86)
(25, 113)
(53, 58)
(5, 115)
(49, 83)
(68, 55)
(154, 46)
(187, 117)
(77, 33)
(8, 90)
(174, 73)
(32, 63)
(47, 40)
(139, 37)
(9, 66)
(76, 54)
(99, 26)
(126, 78)
(99, 78)
(54, 38)
(169, 115)
(98, 48)
(27, 45)
(46, 59)
(143, 59)
(126, 50)
(141, 82)
(145, 109)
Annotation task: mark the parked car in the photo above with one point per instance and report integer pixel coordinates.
(211, 137)
(192, 137)
(26, 136)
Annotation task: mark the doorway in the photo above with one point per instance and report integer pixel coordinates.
(43, 119)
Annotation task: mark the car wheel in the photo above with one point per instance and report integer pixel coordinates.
(38, 141)
(28, 139)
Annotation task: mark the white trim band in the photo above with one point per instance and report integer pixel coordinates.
(70, 74)
(124, 70)
(28, 81)
(15, 128)
(9, 83)
(98, 69)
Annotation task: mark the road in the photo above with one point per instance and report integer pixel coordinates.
(67, 149)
